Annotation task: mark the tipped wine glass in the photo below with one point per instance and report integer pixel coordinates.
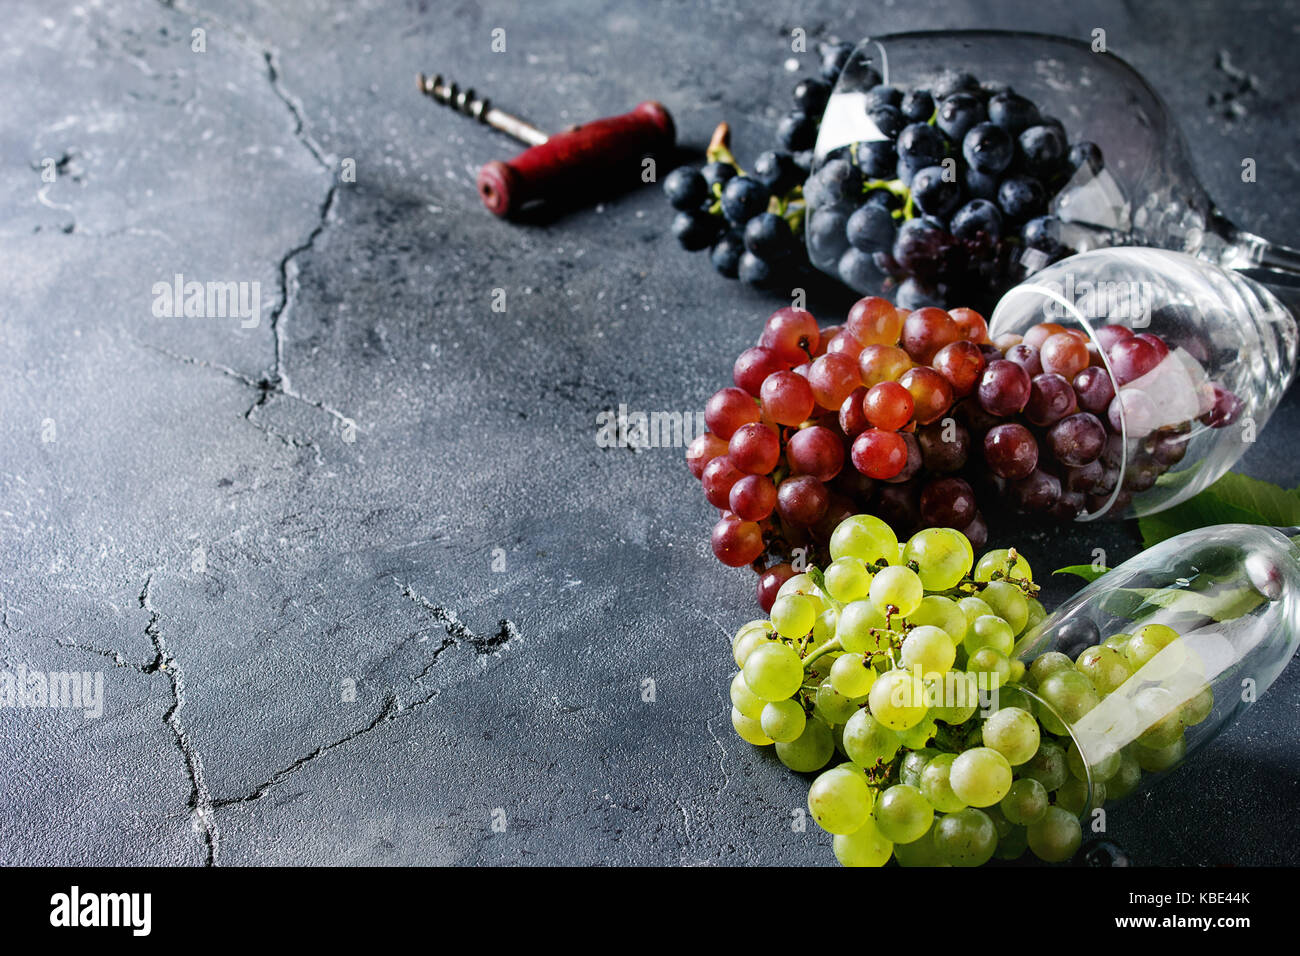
(1125, 179)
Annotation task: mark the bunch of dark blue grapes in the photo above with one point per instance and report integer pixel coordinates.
(752, 222)
(951, 204)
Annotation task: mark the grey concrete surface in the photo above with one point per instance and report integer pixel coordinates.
(387, 486)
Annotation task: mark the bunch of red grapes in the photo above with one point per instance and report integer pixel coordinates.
(904, 414)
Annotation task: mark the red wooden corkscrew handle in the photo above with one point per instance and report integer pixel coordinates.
(593, 154)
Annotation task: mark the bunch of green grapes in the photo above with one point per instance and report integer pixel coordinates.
(893, 673)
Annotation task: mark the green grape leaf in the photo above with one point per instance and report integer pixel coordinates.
(1233, 499)
(1137, 604)
(1085, 571)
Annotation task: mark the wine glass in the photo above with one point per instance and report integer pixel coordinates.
(1139, 188)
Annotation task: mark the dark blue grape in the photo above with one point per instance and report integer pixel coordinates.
(884, 197)
(858, 270)
(834, 57)
(695, 230)
(917, 106)
(837, 181)
(921, 142)
(1044, 234)
(1102, 853)
(919, 245)
(1043, 149)
(988, 148)
(1012, 112)
(870, 228)
(914, 294)
(993, 88)
(726, 253)
(953, 81)
(935, 191)
(717, 174)
(743, 198)
(1076, 635)
(768, 236)
(883, 96)
(810, 95)
(977, 216)
(958, 113)
(1021, 197)
(877, 158)
(777, 171)
(796, 131)
(888, 119)
(685, 188)
(754, 271)
(826, 236)
(1085, 152)
(804, 159)
(981, 185)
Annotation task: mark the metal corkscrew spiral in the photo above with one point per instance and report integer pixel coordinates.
(469, 103)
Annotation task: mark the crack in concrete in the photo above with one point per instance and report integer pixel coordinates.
(456, 629)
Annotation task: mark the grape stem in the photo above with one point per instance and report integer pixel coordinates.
(832, 645)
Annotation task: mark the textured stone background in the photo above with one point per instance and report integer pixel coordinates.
(225, 738)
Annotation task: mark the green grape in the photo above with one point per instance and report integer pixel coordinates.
(1008, 602)
(1159, 717)
(1102, 767)
(1197, 708)
(832, 706)
(1012, 732)
(996, 561)
(1017, 671)
(990, 631)
(1047, 766)
(1049, 663)
(959, 693)
(851, 676)
(774, 671)
(760, 625)
(1070, 695)
(824, 627)
(1073, 796)
(803, 584)
(745, 646)
(1106, 667)
(1000, 823)
(866, 538)
(847, 579)
(839, 800)
(909, 770)
(1156, 760)
(929, 648)
(988, 661)
(897, 587)
(1013, 844)
(1056, 837)
(980, 777)
(1037, 613)
(867, 740)
(783, 720)
(744, 699)
(920, 735)
(1126, 777)
(1118, 642)
(941, 612)
(857, 622)
(897, 699)
(902, 814)
(865, 846)
(966, 837)
(1147, 642)
(811, 750)
(936, 784)
(750, 730)
(943, 557)
(920, 852)
(793, 615)
(973, 608)
(1025, 802)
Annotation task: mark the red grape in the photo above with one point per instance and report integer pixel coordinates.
(718, 478)
(846, 344)
(728, 409)
(977, 533)
(961, 363)
(753, 497)
(914, 460)
(1132, 358)
(897, 505)
(792, 334)
(802, 500)
(875, 321)
(927, 330)
(944, 447)
(1041, 332)
(1037, 492)
(853, 420)
(1027, 357)
(1063, 354)
(947, 503)
(970, 324)
(769, 583)
(1008, 340)
(832, 377)
(824, 338)
(754, 449)
(1094, 389)
(703, 450)
(787, 398)
(1051, 398)
(879, 454)
(888, 406)
(1085, 478)
(1068, 507)
(1077, 440)
(816, 451)
(931, 393)
(1108, 335)
(882, 363)
(1004, 388)
(737, 543)
(1155, 341)
(1226, 407)
(1010, 451)
(753, 366)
